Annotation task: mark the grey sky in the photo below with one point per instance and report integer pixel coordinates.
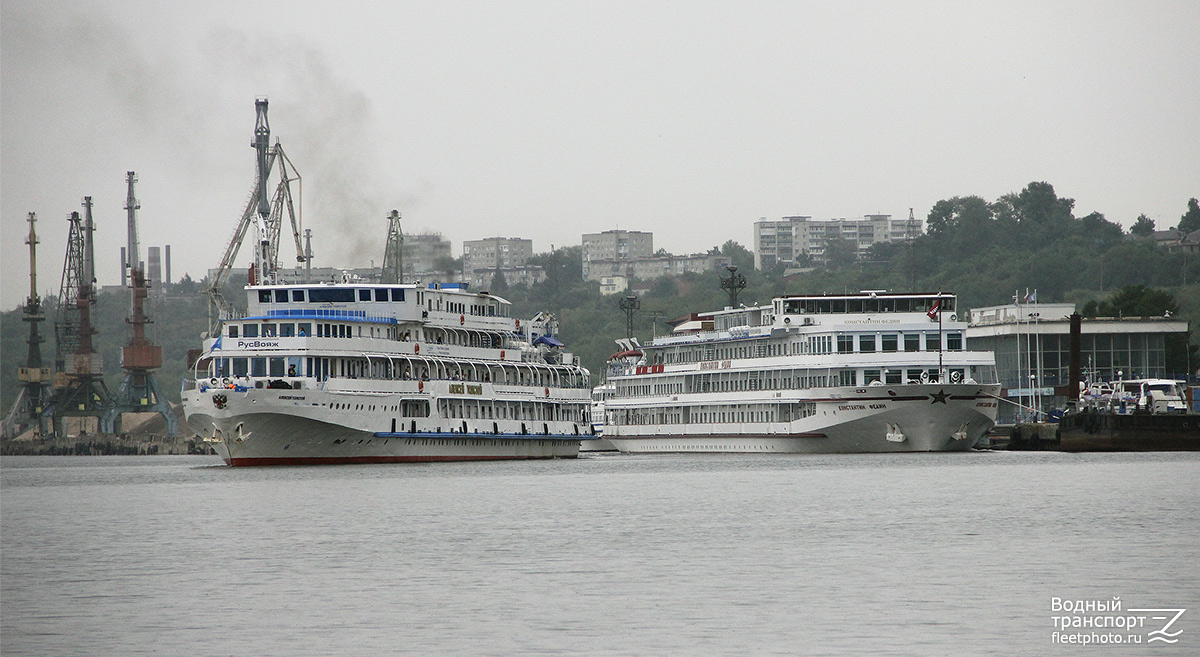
(548, 119)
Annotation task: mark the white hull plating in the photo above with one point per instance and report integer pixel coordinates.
(904, 418)
(273, 427)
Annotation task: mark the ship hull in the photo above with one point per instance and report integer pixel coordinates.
(255, 429)
(925, 418)
(1108, 432)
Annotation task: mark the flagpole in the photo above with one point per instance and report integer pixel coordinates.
(941, 371)
(1020, 374)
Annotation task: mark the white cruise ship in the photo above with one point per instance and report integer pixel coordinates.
(867, 372)
(358, 373)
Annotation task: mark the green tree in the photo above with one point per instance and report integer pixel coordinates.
(1190, 221)
(499, 283)
(1138, 301)
(739, 256)
(840, 253)
(1143, 227)
(185, 286)
(1039, 215)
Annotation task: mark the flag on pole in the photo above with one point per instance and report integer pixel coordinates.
(1031, 297)
(933, 310)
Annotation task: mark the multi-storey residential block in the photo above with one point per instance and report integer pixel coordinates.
(656, 266)
(509, 256)
(800, 239)
(614, 246)
(424, 257)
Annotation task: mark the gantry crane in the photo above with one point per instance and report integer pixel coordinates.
(266, 213)
(79, 384)
(393, 253)
(34, 377)
(139, 391)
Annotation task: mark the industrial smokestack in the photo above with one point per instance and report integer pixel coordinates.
(166, 282)
(154, 267)
(124, 269)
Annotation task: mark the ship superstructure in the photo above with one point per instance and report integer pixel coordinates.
(867, 372)
(332, 373)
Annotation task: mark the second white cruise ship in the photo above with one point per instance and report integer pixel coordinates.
(867, 372)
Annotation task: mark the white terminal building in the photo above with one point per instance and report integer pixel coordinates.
(1032, 343)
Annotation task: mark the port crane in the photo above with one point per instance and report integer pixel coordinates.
(393, 252)
(139, 391)
(79, 384)
(264, 210)
(34, 377)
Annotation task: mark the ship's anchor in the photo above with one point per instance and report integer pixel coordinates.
(961, 434)
(894, 434)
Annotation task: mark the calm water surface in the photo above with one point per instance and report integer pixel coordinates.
(936, 554)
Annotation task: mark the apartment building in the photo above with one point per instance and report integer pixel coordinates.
(801, 239)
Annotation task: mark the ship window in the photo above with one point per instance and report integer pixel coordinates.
(871, 305)
(870, 375)
(846, 377)
(364, 295)
(281, 296)
(264, 296)
(903, 305)
(855, 305)
(303, 329)
(277, 368)
(932, 342)
(287, 330)
(397, 294)
(890, 342)
(239, 367)
(258, 367)
(954, 342)
(251, 331)
(912, 341)
(839, 305)
(233, 330)
(893, 376)
(381, 294)
(297, 295)
(912, 375)
(845, 344)
(866, 343)
(330, 295)
(268, 330)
